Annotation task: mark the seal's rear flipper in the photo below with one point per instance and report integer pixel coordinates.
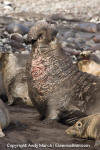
(70, 117)
(1, 133)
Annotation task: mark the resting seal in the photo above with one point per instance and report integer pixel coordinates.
(87, 127)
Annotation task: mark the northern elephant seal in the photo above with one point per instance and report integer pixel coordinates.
(55, 84)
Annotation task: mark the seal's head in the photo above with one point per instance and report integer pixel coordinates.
(76, 129)
(42, 32)
(87, 127)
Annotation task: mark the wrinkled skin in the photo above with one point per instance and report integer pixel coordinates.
(57, 88)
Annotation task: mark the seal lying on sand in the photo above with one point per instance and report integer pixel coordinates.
(4, 118)
(87, 127)
(14, 76)
(56, 86)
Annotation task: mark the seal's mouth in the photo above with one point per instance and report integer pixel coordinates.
(30, 41)
(33, 41)
(71, 132)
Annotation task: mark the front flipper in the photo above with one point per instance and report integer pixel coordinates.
(10, 100)
(97, 143)
(70, 117)
(1, 133)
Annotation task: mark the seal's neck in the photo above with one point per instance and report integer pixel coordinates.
(40, 48)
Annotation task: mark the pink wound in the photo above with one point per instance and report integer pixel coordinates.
(38, 69)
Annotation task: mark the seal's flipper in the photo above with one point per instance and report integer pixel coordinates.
(97, 143)
(10, 101)
(70, 117)
(1, 133)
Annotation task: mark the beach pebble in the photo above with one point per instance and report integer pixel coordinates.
(17, 37)
(87, 27)
(96, 39)
(16, 45)
(17, 28)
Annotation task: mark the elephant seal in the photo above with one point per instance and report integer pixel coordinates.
(4, 118)
(14, 76)
(87, 127)
(56, 86)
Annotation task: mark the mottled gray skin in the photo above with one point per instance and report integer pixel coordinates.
(14, 76)
(4, 118)
(55, 83)
(87, 127)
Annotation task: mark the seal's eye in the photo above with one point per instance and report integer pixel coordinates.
(79, 124)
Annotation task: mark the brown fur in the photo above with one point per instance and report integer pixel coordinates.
(55, 83)
(14, 78)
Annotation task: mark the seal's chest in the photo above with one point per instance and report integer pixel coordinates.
(39, 68)
(45, 72)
